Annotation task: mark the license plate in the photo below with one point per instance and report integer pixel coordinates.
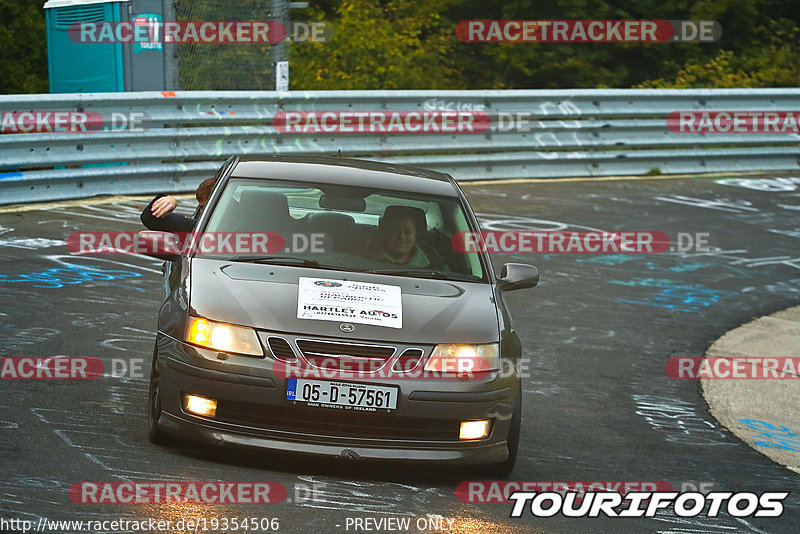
(342, 394)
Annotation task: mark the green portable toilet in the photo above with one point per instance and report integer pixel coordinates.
(82, 67)
(77, 67)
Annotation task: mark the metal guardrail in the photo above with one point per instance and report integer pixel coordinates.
(572, 133)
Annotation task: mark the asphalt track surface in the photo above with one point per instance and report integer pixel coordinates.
(596, 332)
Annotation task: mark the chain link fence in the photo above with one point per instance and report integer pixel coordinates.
(227, 67)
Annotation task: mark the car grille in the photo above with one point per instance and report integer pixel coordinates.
(335, 423)
(330, 355)
(408, 361)
(281, 349)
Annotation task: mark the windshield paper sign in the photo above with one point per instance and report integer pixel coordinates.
(349, 301)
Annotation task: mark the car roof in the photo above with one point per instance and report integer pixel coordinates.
(345, 171)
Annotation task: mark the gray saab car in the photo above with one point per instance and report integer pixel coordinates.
(381, 342)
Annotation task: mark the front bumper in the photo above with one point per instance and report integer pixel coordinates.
(253, 412)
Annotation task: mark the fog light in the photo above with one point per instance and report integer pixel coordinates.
(474, 429)
(201, 406)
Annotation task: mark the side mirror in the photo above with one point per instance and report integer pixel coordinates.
(154, 243)
(518, 276)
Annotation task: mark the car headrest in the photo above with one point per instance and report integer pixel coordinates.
(260, 211)
(417, 216)
(331, 222)
(254, 200)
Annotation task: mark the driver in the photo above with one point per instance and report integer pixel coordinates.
(398, 232)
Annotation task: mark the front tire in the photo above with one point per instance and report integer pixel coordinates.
(155, 434)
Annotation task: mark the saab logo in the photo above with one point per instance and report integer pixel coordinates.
(327, 283)
(346, 327)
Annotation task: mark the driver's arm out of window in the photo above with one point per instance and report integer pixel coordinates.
(172, 222)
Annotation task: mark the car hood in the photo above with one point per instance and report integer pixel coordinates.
(265, 297)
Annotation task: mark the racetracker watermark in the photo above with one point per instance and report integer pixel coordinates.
(192, 524)
(177, 492)
(733, 368)
(734, 122)
(564, 242)
(460, 368)
(146, 31)
(52, 368)
(316, 31)
(499, 491)
(587, 31)
(689, 504)
(389, 122)
(151, 242)
(42, 121)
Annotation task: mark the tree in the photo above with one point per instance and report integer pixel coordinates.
(23, 43)
(762, 36)
(775, 62)
(394, 44)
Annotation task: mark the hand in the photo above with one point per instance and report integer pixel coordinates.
(164, 206)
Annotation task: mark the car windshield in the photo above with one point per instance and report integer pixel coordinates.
(348, 228)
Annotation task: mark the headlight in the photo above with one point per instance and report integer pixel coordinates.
(223, 337)
(464, 359)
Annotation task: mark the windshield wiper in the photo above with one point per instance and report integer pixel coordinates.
(277, 260)
(423, 273)
(291, 261)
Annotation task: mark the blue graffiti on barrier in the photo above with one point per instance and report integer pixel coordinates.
(68, 275)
